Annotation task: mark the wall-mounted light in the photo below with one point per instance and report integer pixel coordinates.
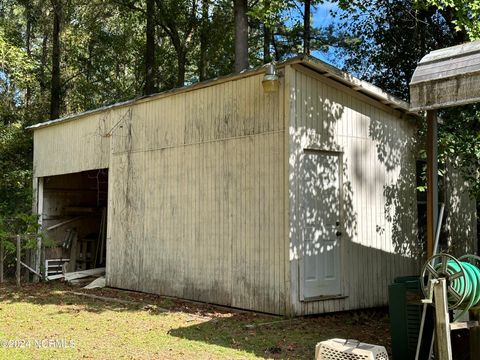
(270, 81)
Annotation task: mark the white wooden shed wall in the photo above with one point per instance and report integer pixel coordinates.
(378, 191)
(72, 146)
(198, 199)
(204, 188)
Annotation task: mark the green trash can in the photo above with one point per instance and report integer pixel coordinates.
(405, 308)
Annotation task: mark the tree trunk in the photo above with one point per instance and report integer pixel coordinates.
(203, 62)
(306, 27)
(267, 35)
(449, 16)
(275, 48)
(267, 38)
(55, 94)
(28, 42)
(241, 35)
(182, 61)
(150, 49)
(43, 64)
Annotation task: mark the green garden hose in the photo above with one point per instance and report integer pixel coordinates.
(463, 280)
(468, 284)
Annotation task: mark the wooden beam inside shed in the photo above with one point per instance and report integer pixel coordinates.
(38, 250)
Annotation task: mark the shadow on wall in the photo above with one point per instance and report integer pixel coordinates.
(320, 190)
(352, 176)
(460, 210)
(396, 151)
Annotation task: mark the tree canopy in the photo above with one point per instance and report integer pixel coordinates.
(61, 56)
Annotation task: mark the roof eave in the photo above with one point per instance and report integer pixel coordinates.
(358, 85)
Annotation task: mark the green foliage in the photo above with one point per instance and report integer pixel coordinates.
(16, 174)
(272, 12)
(103, 47)
(15, 75)
(459, 140)
(28, 227)
(389, 38)
(466, 14)
(393, 37)
(102, 59)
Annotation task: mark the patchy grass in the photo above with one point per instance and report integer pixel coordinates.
(107, 330)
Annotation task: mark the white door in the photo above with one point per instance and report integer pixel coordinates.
(320, 213)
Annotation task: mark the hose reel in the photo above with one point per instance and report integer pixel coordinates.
(462, 276)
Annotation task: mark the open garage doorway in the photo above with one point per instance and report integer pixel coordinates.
(74, 218)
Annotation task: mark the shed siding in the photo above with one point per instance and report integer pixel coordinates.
(460, 213)
(73, 146)
(198, 197)
(379, 215)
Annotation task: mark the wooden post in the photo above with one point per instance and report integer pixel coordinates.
(442, 320)
(38, 250)
(26, 272)
(475, 334)
(1, 261)
(19, 253)
(72, 266)
(432, 179)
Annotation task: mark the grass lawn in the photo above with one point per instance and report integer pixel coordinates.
(108, 330)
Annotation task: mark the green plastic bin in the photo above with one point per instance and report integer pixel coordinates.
(405, 308)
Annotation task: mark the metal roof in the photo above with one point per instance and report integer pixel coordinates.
(447, 77)
(308, 61)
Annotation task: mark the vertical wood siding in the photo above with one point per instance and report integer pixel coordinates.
(197, 197)
(379, 215)
(204, 188)
(72, 146)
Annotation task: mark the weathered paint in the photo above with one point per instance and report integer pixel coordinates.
(197, 197)
(447, 77)
(203, 187)
(378, 219)
(73, 146)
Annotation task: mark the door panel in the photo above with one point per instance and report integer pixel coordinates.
(320, 214)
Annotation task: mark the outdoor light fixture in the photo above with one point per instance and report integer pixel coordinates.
(270, 81)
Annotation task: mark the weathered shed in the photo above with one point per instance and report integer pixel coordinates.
(443, 78)
(299, 201)
(447, 77)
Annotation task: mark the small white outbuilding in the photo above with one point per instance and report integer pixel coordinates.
(298, 201)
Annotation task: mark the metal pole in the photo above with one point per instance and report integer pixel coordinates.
(436, 245)
(424, 309)
(432, 179)
(19, 251)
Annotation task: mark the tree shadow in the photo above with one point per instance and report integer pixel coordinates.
(460, 213)
(396, 146)
(352, 198)
(263, 335)
(61, 294)
(288, 339)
